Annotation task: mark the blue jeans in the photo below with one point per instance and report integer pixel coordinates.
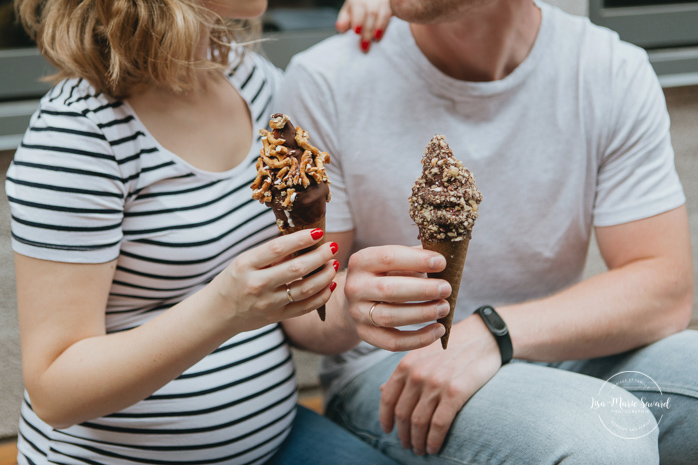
(316, 440)
(531, 413)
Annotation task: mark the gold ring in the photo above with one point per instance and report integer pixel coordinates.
(370, 314)
(288, 294)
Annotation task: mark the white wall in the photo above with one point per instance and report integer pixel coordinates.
(576, 7)
(10, 370)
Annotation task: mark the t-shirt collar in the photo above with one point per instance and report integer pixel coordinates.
(445, 86)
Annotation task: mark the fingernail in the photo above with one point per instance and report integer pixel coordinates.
(334, 247)
(436, 262)
(333, 286)
(378, 34)
(444, 289)
(316, 233)
(442, 309)
(357, 29)
(439, 331)
(336, 267)
(431, 451)
(364, 45)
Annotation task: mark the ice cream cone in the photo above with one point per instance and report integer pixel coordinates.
(455, 253)
(319, 224)
(444, 204)
(292, 181)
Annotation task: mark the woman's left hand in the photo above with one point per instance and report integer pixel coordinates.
(367, 18)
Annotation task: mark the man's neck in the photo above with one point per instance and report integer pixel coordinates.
(486, 44)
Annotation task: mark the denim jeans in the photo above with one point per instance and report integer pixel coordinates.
(316, 440)
(532, 413)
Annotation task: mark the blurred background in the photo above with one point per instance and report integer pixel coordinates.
(667, 29)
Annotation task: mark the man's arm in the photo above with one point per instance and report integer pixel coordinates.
(645, 295)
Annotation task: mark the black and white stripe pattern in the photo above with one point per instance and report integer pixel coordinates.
(90, 185)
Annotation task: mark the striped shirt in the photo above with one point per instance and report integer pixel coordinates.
(89, 184)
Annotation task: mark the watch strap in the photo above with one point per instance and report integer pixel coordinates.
(499, 330)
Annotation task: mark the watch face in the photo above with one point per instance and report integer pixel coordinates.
(496, 322)
(493, 319)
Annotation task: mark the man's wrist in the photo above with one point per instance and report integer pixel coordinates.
(498, 328)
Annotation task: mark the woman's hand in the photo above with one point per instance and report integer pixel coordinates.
(264, 286)
(367, 18)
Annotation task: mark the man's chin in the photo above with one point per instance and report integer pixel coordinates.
(433, 11)
(415, 11)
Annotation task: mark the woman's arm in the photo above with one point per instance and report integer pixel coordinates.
(74, 371)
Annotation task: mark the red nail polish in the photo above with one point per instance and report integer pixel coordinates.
(333, 286)
(334, 247)
(357, 29)
(378, 34)
(336, 265)
(364, 45)
(316, 233)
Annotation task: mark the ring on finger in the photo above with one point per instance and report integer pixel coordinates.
(288, 294)
(370, 314)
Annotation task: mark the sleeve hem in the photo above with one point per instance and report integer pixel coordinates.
(65, 256)
(340, 225)
(639, 212)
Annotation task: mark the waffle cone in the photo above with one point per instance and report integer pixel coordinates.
(455, 253)
(319, 224)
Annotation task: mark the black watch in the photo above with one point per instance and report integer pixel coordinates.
(499, 330)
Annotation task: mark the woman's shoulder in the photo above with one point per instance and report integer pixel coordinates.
(77, 124)
(241, 57)
(257, 80)
(76, 98)
(77, 94)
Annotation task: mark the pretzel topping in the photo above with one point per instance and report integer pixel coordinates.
(284, 169)
(279, 122)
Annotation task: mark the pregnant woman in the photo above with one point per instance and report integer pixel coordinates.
(156, 302)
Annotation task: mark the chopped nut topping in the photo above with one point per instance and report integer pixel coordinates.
(445, 199)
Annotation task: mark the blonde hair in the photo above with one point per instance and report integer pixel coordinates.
(121, 46)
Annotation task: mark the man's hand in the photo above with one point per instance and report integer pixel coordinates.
(431, 385)
(388, 276)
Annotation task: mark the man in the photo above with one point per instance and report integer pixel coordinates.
(565, 128)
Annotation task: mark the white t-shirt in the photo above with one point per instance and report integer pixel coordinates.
(89, 184)
(576, 136)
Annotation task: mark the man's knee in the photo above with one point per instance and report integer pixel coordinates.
(607, 449)
(573, 429)
(622, 431)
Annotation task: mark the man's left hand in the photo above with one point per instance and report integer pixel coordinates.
(430, 385)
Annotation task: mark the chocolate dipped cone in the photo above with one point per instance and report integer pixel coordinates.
(455, 253)
(291, 180)
(444, 204)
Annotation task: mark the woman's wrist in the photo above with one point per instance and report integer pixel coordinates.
(216, 308)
